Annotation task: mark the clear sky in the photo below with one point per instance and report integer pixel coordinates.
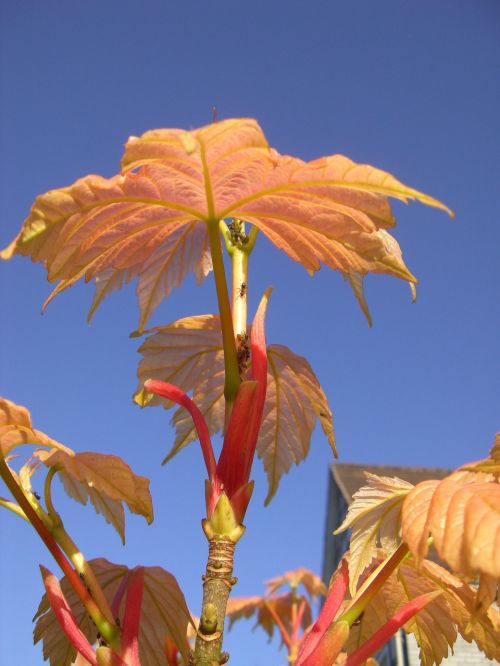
(411, 87)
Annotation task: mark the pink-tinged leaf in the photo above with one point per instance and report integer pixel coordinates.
(16, 429)
(65, 617)
(435, 627)
(380, 638)
(164, 613)
(150, 222)
(294, 401)
(131, 618)
(189, 354)
(374, 518)
(270, 612)
(355, 281)
(334, 599)
(301, 576)
(176, 395)
(462, 514)
(481, 625)
(104, 479)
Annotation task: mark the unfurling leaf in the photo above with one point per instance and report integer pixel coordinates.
(189, 354)
(16, 429)
(163, 613)
(375, 519)
(150, 223)
(104, 479)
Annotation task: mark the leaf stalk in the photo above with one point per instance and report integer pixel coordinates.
(108, 630)
(232, 379)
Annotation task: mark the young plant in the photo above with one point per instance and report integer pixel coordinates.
(179, 200)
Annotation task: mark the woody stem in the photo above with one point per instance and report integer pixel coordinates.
(217, 583)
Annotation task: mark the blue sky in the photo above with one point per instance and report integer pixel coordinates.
(412, 88)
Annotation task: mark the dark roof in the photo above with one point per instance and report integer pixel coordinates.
(350, 476)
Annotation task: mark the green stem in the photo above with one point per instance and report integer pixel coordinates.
(108, 630)
(372, 585)
(54, 516)
(72, 551)
(239, 264)
(232, 378)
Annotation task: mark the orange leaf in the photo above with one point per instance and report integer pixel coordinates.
(294, 401)
(301, 576)
(462, 514)
(188, 353)
(16, 429)
(163, 612)
(266, 608)
(151, 222)
(106, 480)
(435, 628)
(380, 638)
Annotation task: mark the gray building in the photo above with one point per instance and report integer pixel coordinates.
(344, 480)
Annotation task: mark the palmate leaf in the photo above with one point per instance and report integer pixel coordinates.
(375, 519)
(301, 576)
(150, 222)
(294, 401)
(435, 627)
(163, 613)
(16, 428)
(188, 353)
(462, 514)
(104, 479)
(265, 608)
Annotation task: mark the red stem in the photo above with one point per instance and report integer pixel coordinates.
(107, 630)
(175, 394)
